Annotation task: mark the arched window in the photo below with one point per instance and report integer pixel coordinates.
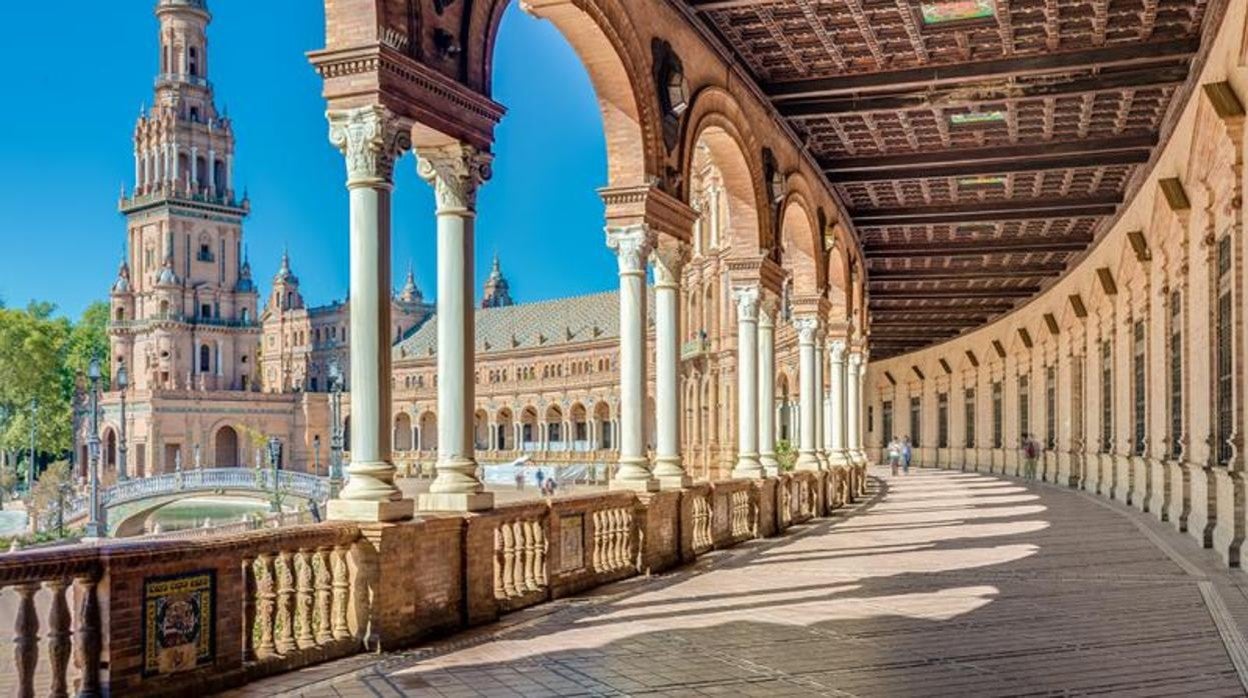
(193, 61)
(244, 316)
(205, 359)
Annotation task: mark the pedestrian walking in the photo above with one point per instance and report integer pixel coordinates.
(906, 454)
(1031, 451)
(894, 454)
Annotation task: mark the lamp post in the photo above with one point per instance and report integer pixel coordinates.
(316, 455)
(94, 529)
(123, 381)
(30, 467)
(335, 427)
(275, 457)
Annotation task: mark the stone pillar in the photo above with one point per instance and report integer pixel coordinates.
(668, 259)
(807, 458)
(370, 138)
(837, 453)
(632, 245)
(767, 386)
(748, 464)
(455, 171)
(853, 409)
(820, 395)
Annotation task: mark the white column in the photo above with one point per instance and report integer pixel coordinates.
(807, 456)
(195, 169)
(138, 171)
(370, 138)
(767, 387)
(860, 424)
(212, 172)
(455, 171)
(837, 455)
(748, 465)
(632, 245)
(820, 431)
(668, 260)
(853, 406)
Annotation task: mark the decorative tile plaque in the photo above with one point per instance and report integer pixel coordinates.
(571, 542)
(179, 622)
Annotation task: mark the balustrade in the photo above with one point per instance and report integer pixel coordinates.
(613, 539)
(520, 548)
(703, 539)
(299, 599)
(740, 514)
(48, 580)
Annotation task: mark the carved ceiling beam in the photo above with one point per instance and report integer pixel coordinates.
(956, 274)
(931, 294)
(887, 250)
(1132, 54)
(1034, 208)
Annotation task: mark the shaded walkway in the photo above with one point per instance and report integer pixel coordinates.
(946, 583)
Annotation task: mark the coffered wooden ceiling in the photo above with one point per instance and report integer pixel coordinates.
(978, 154)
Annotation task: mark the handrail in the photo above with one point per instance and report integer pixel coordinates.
(302, 485)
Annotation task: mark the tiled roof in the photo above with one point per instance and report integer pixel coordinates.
(526, 325)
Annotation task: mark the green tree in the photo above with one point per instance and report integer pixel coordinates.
(50, 497)
(88, 339)
(32, 353)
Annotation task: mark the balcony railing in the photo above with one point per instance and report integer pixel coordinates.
(694, 348)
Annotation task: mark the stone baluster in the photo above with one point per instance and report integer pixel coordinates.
(266, 605)
(59, 638)
(530, 554)
(598, 537)
(500, 589)
(456, 172)
(284, 618)
(539, 557)
(521, 581)
(26, 639)
(509, 560)
(342, 592)
(324, 583)
(304, 597)
(370, 138)
(89, 643)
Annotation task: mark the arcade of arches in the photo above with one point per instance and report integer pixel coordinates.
(968, 223)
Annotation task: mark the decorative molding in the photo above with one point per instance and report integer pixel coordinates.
(371, 138)
(746, 298)
(456, 172)
(632, 245)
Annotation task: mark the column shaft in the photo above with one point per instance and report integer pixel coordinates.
(820, 395)
(747, 464)
(837, 455)
(370, 138)
(668, 467)
(632, 245)
(807, 458)
(767, 388)
(455, 171)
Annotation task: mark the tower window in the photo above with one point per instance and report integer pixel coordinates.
(193, 66)
(205, 252)
(205, 359)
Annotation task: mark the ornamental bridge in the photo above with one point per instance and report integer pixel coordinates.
(127, 505)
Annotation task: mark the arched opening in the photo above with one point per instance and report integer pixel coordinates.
(784, 403)
(603, 427)
(529, 431)
(428, 432)
(403, 437)
(556, 439)
(799, 242)
(205, 358)
(724, 186)
(504, 428)
(579, 437)
(110, 449)
(226, 448)
(481, 430)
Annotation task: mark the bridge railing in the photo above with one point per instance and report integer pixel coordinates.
(297, 484)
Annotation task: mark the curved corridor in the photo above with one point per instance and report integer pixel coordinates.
(942, 583)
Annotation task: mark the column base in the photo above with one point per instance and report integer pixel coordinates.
(456, 501)
(823, 460)
(674, 482)
(648, 485)
(369, 511)
(808, 461)
(839, 459)
(748, 466)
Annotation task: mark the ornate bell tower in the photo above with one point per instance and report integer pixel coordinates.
(185, 317)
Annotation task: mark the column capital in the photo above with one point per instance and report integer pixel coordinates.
(669, 259)
(632, 245)
(455, 172)
(836, 350)
(807, 328)
(746, 298)
(767, 309)
(371, 138)
(856, 358)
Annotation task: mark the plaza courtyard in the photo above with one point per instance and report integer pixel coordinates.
(940, 583)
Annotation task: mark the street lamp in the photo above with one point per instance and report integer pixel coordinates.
(335, 427)
(123, 382)
(30, 467)
(275, 458)
(316, 455)
(94, 529)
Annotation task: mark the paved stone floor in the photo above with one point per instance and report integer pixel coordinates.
(945, 583)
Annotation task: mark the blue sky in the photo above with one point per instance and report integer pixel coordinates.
(67, 151)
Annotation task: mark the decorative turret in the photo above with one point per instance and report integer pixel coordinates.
(122, 284)
(285, 294)
(410, 294)
(496, 293)
(245, 284)
(167, 277)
